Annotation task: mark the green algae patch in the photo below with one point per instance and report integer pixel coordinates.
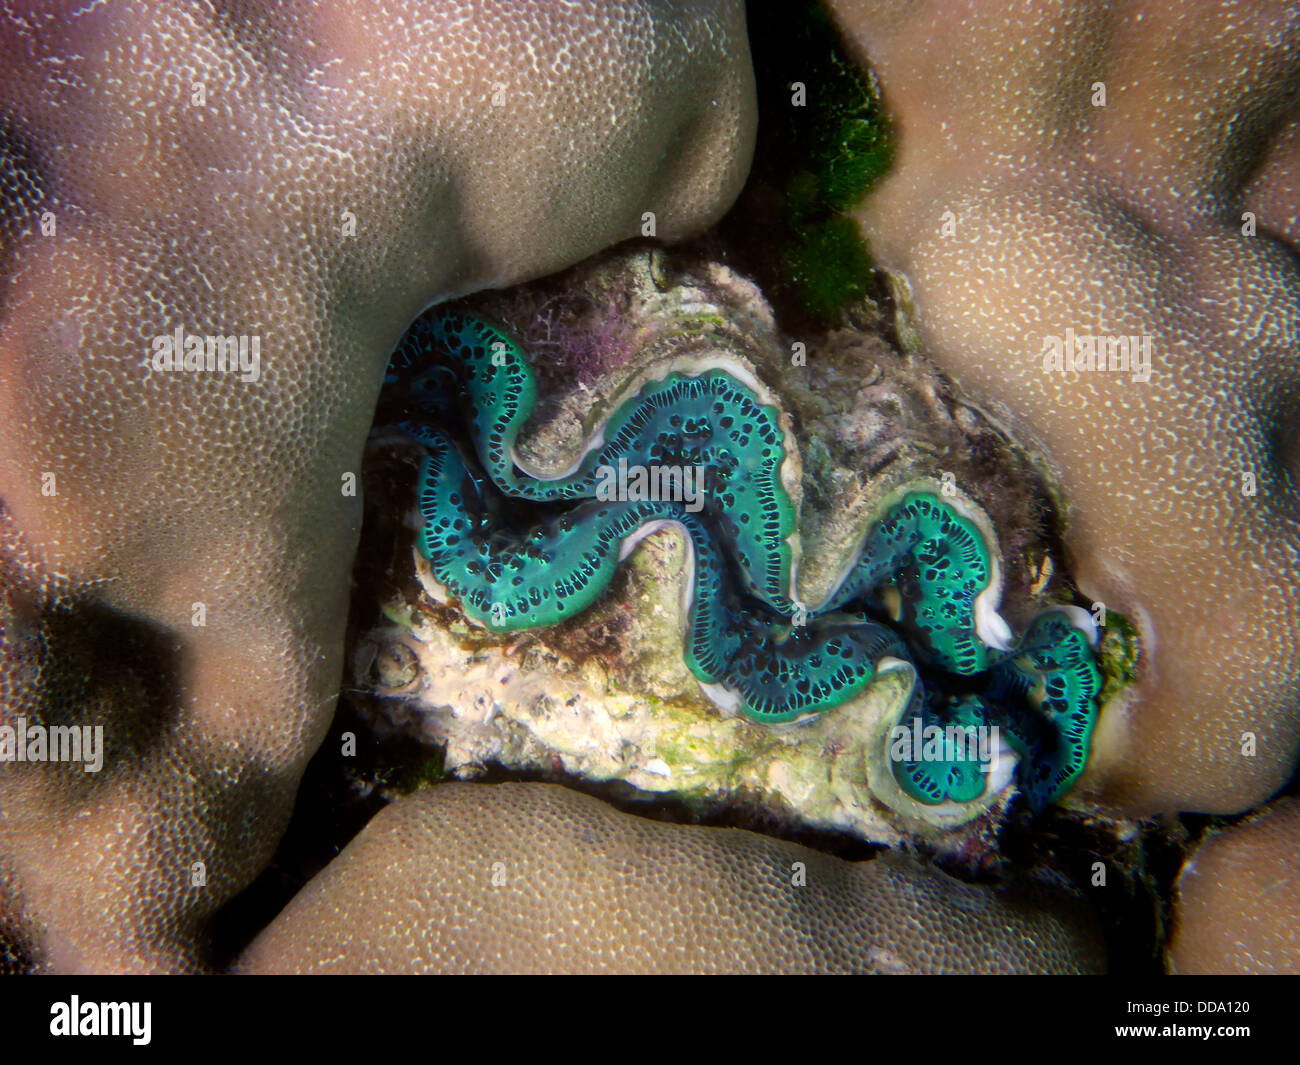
(823, 142)
(421, 774)
(828, 266)
(1117, 655)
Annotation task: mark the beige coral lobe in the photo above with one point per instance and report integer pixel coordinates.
(538, 878)
(177, 546)
(1076, 174)
(1237, 905)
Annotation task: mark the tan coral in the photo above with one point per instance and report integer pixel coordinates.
(312, 176)
(535, 878)
(1237, 906)
(1024, 204)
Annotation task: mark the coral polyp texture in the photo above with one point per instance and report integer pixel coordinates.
(714, 459)
(177, 546)
(537, 878)
(1237, 901)
(1096, 240)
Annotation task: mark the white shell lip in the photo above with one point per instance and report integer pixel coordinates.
(1081, 619)
(990, 626)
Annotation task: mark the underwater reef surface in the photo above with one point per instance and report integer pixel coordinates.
(1036, 185)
